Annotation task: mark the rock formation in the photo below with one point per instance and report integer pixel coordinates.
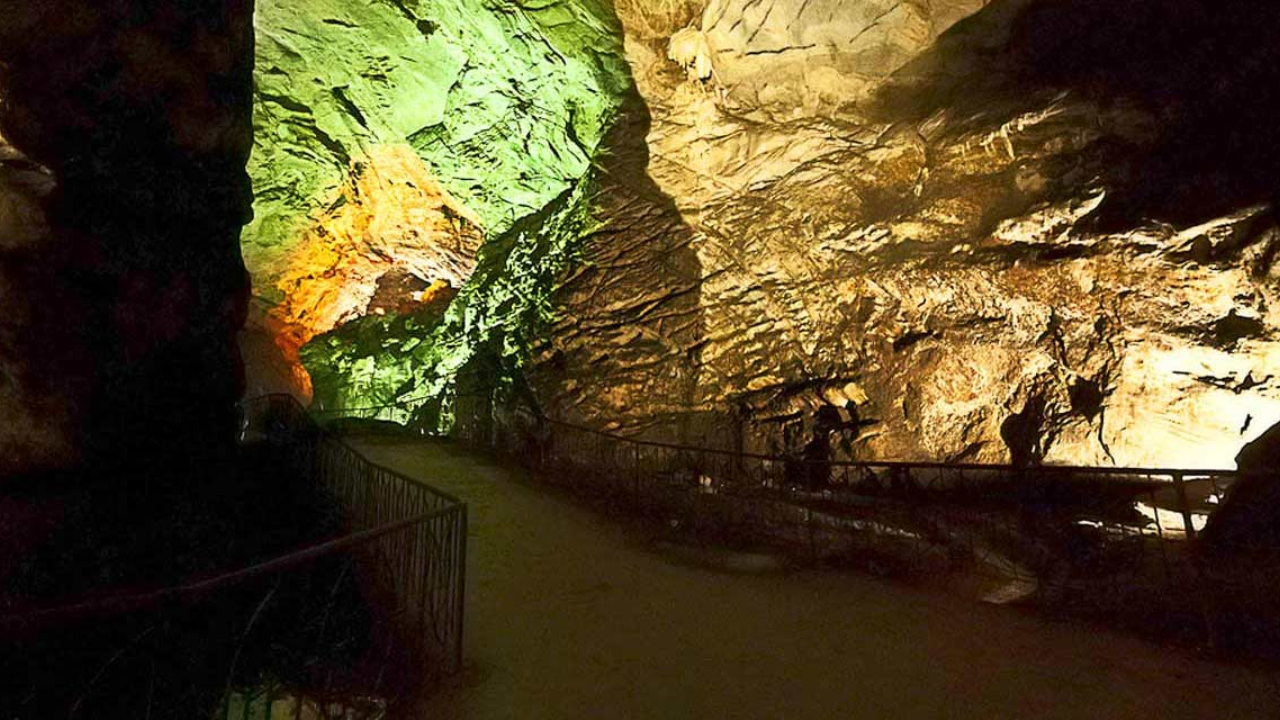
(985, 230)
(395, 235)
(125, 131)
(980, 230)
(415, 128)
(795, 58)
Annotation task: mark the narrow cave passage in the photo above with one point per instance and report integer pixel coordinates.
(569, 616)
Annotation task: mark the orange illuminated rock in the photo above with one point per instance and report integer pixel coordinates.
(392, 240)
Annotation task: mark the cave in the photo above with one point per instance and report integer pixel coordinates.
(755, 279)
(649, 217)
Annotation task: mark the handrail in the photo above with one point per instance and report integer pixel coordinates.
(361, 408)
(892, 464)
(401, 476)
(308, 413)
(365, 614)
(376, 493)
(139, 601)
(132, 602)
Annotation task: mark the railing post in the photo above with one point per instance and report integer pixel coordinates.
(813, 545)
(635, 469)
(1184, 506)
(461, 592)
(1164, 551)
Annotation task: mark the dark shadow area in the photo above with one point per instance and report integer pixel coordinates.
(1250, 513)
(305, 582)
(137, 534)
(1206, 74)
(115, 539)
(139, 279)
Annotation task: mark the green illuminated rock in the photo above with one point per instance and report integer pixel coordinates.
(506, 103)
(409, 364)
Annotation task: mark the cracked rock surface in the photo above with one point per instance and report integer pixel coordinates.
(391, 137)
(959, 230)
(990, 235)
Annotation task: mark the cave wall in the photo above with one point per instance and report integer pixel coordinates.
(124, 133)
(984, 230)
(796, 57)
(1008, 231)
(393, 141)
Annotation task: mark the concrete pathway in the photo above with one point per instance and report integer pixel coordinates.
(569, 616)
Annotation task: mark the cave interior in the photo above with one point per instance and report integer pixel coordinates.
(992, 233)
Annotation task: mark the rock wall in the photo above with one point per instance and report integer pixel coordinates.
(811, 57)
(986, 230)
(391, 138)
(1008, 231)
(124, 133)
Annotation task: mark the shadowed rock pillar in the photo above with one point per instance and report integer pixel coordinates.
(125, 126)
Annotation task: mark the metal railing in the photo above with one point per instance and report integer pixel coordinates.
(359, 626)
(1113, 543)
(399, 412)
(422, 566)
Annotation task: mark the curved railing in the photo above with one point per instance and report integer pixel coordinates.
(421, 530)
(1115, 543)
(360, 625)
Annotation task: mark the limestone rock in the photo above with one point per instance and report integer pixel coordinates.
(459, 118)
(804, 57)
(37, 406)
(394, 235)
(996, 231)
(1019, 246)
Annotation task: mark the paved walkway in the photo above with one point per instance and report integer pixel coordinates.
(569, 616)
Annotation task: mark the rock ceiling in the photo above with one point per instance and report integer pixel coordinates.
(979, 230)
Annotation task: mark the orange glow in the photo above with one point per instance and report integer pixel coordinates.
(393, 220)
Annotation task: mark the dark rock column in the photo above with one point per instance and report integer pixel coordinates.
(122, 282)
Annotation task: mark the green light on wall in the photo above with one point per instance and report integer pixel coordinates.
(505, 103)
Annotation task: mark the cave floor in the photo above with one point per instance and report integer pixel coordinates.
(571, 615)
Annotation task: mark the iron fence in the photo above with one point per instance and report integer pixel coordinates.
(359, 626)
(401, 412)
(421, 567)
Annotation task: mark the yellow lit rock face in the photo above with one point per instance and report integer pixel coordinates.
(393, 239)
(806, 57)
(1005, 262)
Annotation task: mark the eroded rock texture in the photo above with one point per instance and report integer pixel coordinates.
(807, 57)
(125, 131)
(395, 237)
(1007, 231)
(987, 230)
(390, 138)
